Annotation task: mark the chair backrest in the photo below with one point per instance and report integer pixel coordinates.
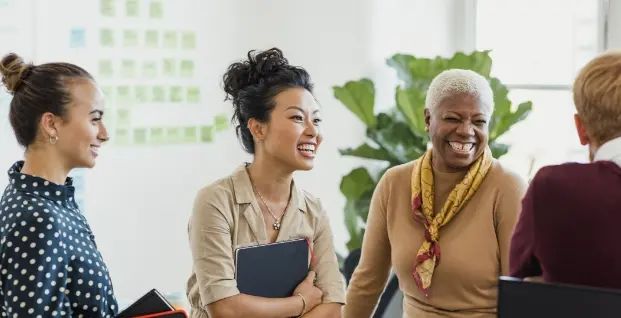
(518, 299)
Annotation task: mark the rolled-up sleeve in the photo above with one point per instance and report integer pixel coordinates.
(211, 246)
(326, 266)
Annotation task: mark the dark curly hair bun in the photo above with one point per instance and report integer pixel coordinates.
(252, 85)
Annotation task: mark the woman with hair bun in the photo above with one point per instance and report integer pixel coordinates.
(278, 122)
(50, 265)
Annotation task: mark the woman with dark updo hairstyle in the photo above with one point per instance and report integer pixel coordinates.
(278, 122)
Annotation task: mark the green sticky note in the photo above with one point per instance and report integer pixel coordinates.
(157, 135)
(123, 95)
(128, 68)
(141, 94)
(140, 136)
(130, 38)
(188, 40)
(176, 94)
(168, 67)
(149, 69)
(173, 135)
(170, 39)
(156, 10)
(186, 68)
(158, 94)
(107, 8)
(206, 134)
(105, 68)
(190, 134)
(220, 122)
(123, 117)
(151, 39)
(193, 95)
(106, 37)
(122, 137)
(132, 8)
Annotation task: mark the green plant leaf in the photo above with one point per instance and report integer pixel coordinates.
(498, 149)
(396, 137)
(411, 103)
(359, 98)
(401, 63)
(367, 152)
(481, 62)
(356, 183)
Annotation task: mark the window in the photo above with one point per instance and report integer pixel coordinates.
(537, 48)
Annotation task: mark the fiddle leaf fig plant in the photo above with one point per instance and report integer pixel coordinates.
(398, 136)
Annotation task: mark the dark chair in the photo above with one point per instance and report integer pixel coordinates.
(391, 289)
(519, 299)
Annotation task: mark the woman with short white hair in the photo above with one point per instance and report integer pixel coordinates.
(443, 222)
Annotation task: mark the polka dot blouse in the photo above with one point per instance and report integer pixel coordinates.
(49, 263)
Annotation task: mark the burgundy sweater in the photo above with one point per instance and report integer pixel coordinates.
(569, 230)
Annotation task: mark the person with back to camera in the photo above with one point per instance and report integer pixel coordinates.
(50, 265)
(279, 123)
(570, 213)
(443, 221)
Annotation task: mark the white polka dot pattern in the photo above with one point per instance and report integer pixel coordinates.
(49, 262)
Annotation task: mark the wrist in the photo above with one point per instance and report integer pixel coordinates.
(301, 300)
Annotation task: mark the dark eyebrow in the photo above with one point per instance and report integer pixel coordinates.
(300, 109)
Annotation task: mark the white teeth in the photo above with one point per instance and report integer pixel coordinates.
(95, 150)
(461, 146)
(306, 147)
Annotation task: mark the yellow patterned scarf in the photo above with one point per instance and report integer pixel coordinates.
(428, 256)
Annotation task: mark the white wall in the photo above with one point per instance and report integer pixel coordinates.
(138, 200)
(614, 24)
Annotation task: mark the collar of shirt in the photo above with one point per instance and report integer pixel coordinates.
(39, 186)
(609, 151)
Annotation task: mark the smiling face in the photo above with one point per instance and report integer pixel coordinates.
(82, 131)
(292, 136)
(458, 129)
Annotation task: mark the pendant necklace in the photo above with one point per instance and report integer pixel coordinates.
(276, 224)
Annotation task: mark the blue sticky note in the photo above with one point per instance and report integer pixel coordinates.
(78, 38)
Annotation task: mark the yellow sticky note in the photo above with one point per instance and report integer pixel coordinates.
(141, 94)
(168, 67)
(130, 38)
(128, 68)
(106, 37)
(221, 122)
(107, 8)
(140, 136)
(206, 134)
(186, 68)
(123, 117)
(176, 94)
(151, 39)
(123, 95)
(132, 8)
(156, 10)
(190, 134)
(121, 136)
(188, 40)
(193, 95)
(170, 39)
(105, 68)
(149, 69)
(157, 135)
(173, 135)
(158, 94)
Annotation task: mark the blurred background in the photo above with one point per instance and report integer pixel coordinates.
(160, 64)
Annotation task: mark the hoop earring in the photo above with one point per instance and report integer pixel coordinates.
(53, 139)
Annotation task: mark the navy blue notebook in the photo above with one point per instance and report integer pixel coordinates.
(271, 270)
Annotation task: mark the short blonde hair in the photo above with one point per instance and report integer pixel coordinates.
(597, 96)
(454, 81)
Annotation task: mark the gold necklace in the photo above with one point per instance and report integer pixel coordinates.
(276, 224)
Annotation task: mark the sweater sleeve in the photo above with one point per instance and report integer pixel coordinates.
(369, 278)
(34, 268)
(523, 262)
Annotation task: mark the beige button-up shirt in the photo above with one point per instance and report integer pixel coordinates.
(226, 216)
